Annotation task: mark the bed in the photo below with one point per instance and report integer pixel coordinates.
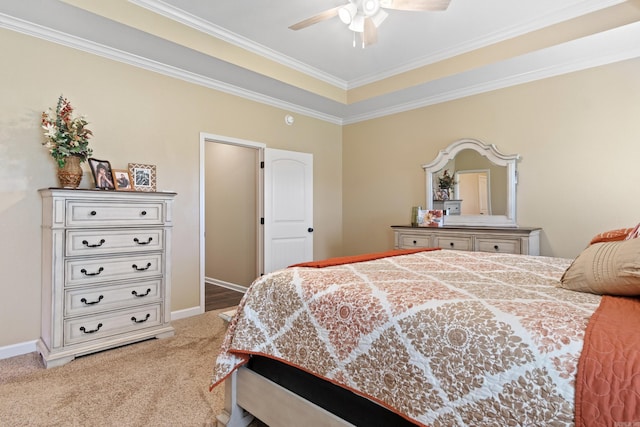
(433, 338)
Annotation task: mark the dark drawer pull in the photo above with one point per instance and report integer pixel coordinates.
(100, 270)
(141, 295)
(135, 267)
(143, 213)
(415, 242)
(451, 244)
(97, 245)
(82, 329)
(135, 239)
(84, 300)
(133, 319)
(93, 213)
(496, 247)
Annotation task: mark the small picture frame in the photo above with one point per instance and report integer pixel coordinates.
(102, 174)
(143, 176)
(122, 180)
(431, 218)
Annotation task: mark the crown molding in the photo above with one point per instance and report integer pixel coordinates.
(599, 49)
(570, 12)
(58, 37)
(179, 15)
(576, 9)
(593, 51)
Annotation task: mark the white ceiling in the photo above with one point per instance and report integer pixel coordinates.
(405, 40)
(324, 51)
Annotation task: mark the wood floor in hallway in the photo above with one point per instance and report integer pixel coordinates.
(217, 297)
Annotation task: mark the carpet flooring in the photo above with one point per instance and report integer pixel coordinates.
(152, 383)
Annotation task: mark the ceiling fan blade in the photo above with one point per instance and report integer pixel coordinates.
(370, 33)
(416, 5)
(323, 16)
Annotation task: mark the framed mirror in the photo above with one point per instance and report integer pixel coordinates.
(484, 184)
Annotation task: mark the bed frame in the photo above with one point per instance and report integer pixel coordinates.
(248, 394)
(282, 395)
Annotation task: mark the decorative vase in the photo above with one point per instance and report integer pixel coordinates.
(70, 175)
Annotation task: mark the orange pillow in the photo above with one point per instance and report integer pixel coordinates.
(634, 233)
(613, 235)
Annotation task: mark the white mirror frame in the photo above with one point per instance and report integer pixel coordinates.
(491, 153)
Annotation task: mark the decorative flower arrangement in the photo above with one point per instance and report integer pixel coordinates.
(445, 181)
(66, 135)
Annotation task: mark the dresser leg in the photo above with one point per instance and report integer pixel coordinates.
(49, 360)
(165, 335)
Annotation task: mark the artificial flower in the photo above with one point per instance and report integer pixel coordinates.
(66, 135)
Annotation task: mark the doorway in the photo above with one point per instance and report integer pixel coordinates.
(231, 238)
(237, 226)
(231, 214)
(473, 189)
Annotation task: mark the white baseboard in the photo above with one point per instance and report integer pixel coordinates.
(30, 346)
(227, 285)
(187, 312)
(17, 349)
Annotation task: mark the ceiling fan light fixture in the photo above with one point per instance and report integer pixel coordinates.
(370, 7)
(357, 24)
(347, 12)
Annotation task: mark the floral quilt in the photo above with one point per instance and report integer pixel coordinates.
(443, 338)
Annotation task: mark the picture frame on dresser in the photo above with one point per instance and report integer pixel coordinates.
(143, 176)
(122, 180)
(102, 173)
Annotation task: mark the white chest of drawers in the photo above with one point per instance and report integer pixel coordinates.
(516, 240)
(106, 270)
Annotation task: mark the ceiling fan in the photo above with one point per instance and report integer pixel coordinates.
(365, 16)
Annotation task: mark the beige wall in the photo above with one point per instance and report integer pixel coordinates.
(136, 116)
(578, 135)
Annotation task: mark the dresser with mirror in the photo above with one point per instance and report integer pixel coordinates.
(484, 192)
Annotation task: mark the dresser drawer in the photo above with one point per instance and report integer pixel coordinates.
(460, 243)
(410, 241)
(504, 246)
(95, 299)
(516, 240)
(118, 322)
(96, 270)
(96, 214)
(95, 242)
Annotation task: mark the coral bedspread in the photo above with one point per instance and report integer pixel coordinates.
(608, 382)
(443, 338)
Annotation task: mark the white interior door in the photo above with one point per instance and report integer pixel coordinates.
(288, 208)
(483, 193)
(468, 193)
